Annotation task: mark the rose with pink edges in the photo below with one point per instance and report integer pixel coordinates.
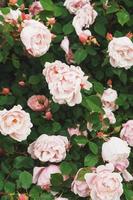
(121, 52)
(104, 183)
(36, 37)
(127, 132)
(38, 103)
(49, 148)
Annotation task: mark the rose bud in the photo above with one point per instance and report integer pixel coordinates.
(38, 103)
(22, 197)
(21, 83)
(48, 115)
(83, 38)
(109, 36)
(13, 2)
(51, 21)
(5, 91)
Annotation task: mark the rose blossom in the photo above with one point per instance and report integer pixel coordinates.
(76, 131)
(104, 183)
(65, 46)
(65, 83)
(108, 98)
(16, 123)
(35, 8)
(127, 132)
(12, 16)
(36, 37)
(80, 187)
(74, 5)
(49, 148)
(121, 52)
(110, 115)
(42, 175)
(38, 103)
(83, 19)
(116, 151)
(22, 197)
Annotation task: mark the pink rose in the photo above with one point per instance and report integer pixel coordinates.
(49, 148)
(108, 98)
(36, 37)
(80, 187)
(104, 183)
(127, 132)
(12, 16)
(121, 52)
(16, 123)
(65, 46)
(74, 5)
(22, 197)
(42, 175)
(76, 131)
(38, 103)
(65, 83)
(110, 115)
(83, 19)
(116, 151)
(35, 8)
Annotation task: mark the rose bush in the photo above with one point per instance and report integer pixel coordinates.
(66, 81)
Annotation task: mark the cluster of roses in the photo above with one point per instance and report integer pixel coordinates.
(85, 16)
(65, 84)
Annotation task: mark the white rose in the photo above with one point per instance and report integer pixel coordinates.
(110, 115)
(108, 99)
(121, 52)
(16, 123)
(49, 148)
(13, 15)
(104, 183)
(36, 37)
(65, 83)
(83, 19)
(74, 5)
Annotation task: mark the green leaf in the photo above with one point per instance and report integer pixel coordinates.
(68, 28)
(34, 79)
(82, 173)
(114, 7)
(35, 192)
(25, 179)
(15, 61)
(65, 168)
(123, 17)
(56, 179)
(90, 160)
(93, 147)
(46, 196)
(56, 127)
(128, 193)
(23, 162)
(81, 139)
(100, 29)
(92, 103)
(47, 4)
(80, 55)
(9, 187)
(68, 168)
(98, 87)
(5, 11)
